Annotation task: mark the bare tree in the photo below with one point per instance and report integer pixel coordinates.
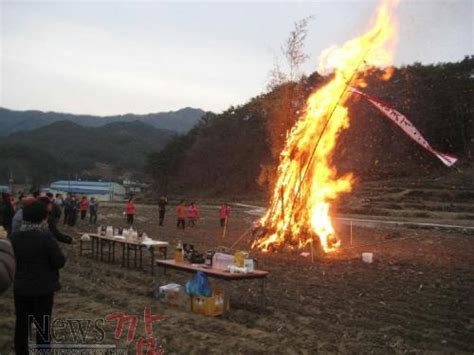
(293, 52)
(277, 76)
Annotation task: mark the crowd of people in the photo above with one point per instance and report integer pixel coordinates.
(11, 212)
(187, 214)
(68, 209)
(190, 213)
(31, 258)
(72, 206)
(73, 209)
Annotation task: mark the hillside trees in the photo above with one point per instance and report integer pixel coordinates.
(64, 150)
(237, 151)
(221, 154)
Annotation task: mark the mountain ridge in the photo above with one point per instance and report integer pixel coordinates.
(180, 121)
(63, 149)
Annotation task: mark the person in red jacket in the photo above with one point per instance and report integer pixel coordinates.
(130, 211)
(181, 215)
(193, 215)
(224, 213)
(83, 207)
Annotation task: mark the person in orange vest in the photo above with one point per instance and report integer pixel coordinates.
(193, 215)
(181, 215)
(130, 211)
(224, 213)
(83, 207)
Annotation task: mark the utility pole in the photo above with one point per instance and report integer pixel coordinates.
(10, 182)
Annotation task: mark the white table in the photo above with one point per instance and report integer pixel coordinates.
(99, 241)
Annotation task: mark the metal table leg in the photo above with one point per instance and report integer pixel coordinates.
(101, 250)
(127, 246)
(152, 256)
(262, 294)
(140, 265)
(109, 250)
(135, 256)
(93, 246)
(97, 249)
(163, 251)
(123, 254)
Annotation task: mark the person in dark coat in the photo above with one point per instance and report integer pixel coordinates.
(59, 201)
(53, 221)
(7, 263)
(73, 210)
(162, 208)
(7, 211)
(55, 208)
(67, 208)
(18, 217)
(93, 208)
(38, 260)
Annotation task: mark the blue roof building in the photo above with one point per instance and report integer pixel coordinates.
(100, 190)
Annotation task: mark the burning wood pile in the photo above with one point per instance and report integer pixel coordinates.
(307, 183)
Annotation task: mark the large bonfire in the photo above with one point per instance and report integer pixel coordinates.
(307, 182)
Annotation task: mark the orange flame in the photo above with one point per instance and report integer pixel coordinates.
(307, 182)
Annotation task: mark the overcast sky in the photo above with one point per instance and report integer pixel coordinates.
(117, 57)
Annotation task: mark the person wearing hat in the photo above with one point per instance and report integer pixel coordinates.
(38, 260)
(52, 221)
(7, 211)
(7, 262)
(18, 217)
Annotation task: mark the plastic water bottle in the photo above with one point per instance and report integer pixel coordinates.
(178, 254)
(215, 261)
(209, 258)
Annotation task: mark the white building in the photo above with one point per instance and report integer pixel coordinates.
(102, 191)
(133, 187)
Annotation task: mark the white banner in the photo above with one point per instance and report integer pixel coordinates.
(406, 126)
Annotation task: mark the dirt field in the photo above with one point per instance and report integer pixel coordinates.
(417, 296)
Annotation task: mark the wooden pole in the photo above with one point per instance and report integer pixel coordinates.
(225, 229)
(312, 251)
(240, 238)
(331, 114)
(351, 231)
(282, 202)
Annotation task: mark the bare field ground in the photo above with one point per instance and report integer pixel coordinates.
(449, 200)
(417, 296)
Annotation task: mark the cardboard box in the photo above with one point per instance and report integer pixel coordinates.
(215, 305)
(173, 295)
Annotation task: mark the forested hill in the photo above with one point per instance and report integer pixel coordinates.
(14, 121)
(66, 150)
(237, 152)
